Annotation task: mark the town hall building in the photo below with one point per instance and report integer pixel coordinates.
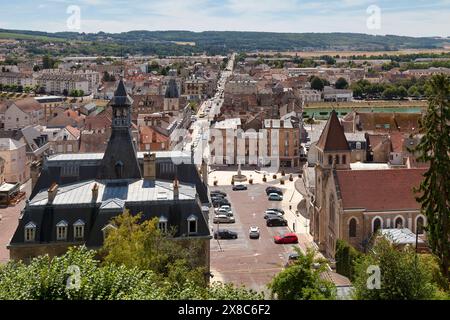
(77, 195)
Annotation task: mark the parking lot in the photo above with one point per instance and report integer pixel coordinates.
(243, 260)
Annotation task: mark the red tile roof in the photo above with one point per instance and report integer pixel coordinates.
(379, 190)
(333, 137)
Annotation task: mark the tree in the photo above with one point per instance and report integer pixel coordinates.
(390, 93)
(317, 84)
(403, 276)
(434, 190)
(141, 244)
(303, 280)
(413, 91)
(48, 62)
(402, 92)
(341, 83)
(346, 259)
(46, 278)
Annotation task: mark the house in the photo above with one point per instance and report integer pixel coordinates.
(153, 138)
(22, 113)
(353, 204)
(77, 195)
(66, 118)
(16, 168)
(337, 95)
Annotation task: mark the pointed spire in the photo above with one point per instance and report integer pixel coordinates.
(121, 97)
(333, 137)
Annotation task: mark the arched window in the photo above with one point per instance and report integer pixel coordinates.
(352, 228)
(337, 159)
(344, 159)
(61, 230)
(420, 225)
(192, 224)
(331, 208)
(330, 159)
(399, 223)
(78, 229)
(30, 232)
(376, 225)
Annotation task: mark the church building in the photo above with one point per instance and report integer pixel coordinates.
(353, 204)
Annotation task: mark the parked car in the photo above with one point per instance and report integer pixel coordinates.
(275, 197)
(225, 207)
(254, 233)
(291, 259)
(224, 211)
(270, 214)
(276, 222)
(225, 234)
(286, 238)
(221, 218)
(238, 187)
(276, 209)
(270, 190)
(218, 193)
(220, 202)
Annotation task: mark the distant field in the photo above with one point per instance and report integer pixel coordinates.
(183, 43)
(18, 36)
(344, 54)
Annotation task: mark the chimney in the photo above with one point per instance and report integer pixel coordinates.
(95, 192)
(176, 189)
(52, 192)
(204, 170)
(150, 166)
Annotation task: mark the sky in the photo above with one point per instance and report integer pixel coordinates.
(399, 17)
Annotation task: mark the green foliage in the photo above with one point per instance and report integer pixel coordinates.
(403, 275)
(46, 279)
(399, 89)
(434, 190)
(341, 83)
(302, 280)
(141, 244)
(76, 93)
(211, 42)
(346, 259)
(317, 83)
(48, 62)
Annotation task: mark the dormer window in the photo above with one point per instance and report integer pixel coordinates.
(78, 230)
(30, 232)
(192, 224)
(61, 230)
(162, 224)
(106, 229)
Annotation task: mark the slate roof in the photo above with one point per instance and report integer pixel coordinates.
(172, 90)
(333, 137)
(120, 96)
(379, 190)
(114, 193)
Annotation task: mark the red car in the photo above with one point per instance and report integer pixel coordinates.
(286, 238)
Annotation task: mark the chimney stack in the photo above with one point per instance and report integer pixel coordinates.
(95, 192)
(52, 192)
(204, 170)
(150, 166)
(176, 189)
